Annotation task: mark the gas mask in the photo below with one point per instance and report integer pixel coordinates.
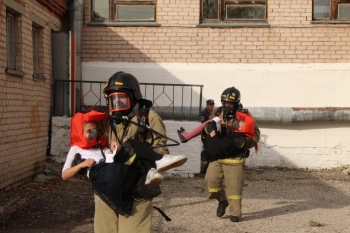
(118, 102)
(229, 111)
(119, 105)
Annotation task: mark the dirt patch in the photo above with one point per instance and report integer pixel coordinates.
(275, 200)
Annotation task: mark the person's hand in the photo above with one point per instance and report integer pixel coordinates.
(223, 123)
(115, 145)
(87, 163)
(212, 133)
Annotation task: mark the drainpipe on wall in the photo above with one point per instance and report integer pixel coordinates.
(279, 115)
(75, 25)
(292, 115)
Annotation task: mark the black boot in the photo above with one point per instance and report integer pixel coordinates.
(234, 218)
(221, 208)
(182, 138)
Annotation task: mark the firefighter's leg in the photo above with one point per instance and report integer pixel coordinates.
(214, 181)
(234, 179)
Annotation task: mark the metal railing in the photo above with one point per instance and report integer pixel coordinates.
(170, 101)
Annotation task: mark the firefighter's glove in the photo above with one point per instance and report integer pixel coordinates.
(76, 161)
(243, 142)
(210, 126)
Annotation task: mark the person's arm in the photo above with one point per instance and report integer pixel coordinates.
(70, 172)
(202, 117)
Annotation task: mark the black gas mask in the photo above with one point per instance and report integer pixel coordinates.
(229, 111)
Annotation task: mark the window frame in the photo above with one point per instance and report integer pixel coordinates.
(112, 12)
(11, 41)
(333, 12)
(222, 19)
(35, 36)
(16, 45)
(38, 51)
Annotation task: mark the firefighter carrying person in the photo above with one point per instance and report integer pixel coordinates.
(230, 167)
(131, 119)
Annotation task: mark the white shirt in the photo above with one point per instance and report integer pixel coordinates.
(85, 154)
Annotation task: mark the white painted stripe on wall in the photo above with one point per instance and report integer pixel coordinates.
(261, 85)
(304, 145)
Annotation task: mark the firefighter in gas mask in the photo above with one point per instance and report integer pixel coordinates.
(230, 167)
(125, 106)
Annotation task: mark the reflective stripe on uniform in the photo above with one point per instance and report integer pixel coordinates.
(214, 190)
(235, 197)
(131, 160)
(232, 161)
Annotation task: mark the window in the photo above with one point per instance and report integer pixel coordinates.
(124, 10)
(13, 43)
(38, 51)
(35, 50)
(10, 41)
(331, 10)
(230, 11)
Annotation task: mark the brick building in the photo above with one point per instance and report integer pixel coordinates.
(286, 57)
(25, 85)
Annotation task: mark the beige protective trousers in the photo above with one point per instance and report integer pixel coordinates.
(107, 221)
(234, 180)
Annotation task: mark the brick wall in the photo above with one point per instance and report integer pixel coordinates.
(291, 38)
(24, 101)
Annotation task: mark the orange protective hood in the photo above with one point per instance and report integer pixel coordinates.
(248, 128)
(77, 137)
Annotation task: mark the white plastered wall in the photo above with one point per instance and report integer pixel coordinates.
(305, 145)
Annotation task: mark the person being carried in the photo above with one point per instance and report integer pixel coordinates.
(219, 147)
(244, 128)
(90, 155)
(85, 152)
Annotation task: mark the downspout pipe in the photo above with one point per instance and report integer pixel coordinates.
(291, 115)
(277, 115)
(75, 25)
